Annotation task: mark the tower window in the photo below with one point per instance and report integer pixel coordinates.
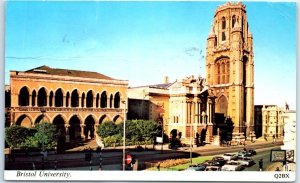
(233, 20)
(223, 23)
(223, 36)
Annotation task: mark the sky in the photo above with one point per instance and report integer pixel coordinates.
(144, 41)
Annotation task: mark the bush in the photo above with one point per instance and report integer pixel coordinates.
(16, 135)
(21, 137)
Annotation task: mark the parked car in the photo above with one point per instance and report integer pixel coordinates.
(242, 154)
(219, 160)
(246, 161)
(212, 168)
(199, 167)
(230, 156)
(232, 166)
(252, 151)
(211, 163)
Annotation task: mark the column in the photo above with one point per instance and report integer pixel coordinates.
(107, 103)
(47, 100)
(187, 112)
(94, 102)
(64, 101)
(30, 101)
(82, 130)
(79, 102)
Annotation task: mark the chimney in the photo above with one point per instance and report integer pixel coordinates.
(166, 80)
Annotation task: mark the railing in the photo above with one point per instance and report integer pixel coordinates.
(66, 109)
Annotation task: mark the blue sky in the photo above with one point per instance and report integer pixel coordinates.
(144, 41)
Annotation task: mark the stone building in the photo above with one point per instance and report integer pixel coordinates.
(75, 101)
(272, 121)
(230, 67)
(186, 107)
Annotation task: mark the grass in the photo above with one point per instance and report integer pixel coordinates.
(183, 165)
(195, 161)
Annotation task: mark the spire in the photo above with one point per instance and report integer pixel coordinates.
(212, 31)
(249, 33)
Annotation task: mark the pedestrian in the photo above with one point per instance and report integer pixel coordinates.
(260, 164)
(158, 167)
(274, 139)
(245, 149)
(277, 169)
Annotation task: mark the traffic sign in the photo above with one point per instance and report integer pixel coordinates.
(128, 159)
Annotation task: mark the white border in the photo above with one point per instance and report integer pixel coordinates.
(254, 176)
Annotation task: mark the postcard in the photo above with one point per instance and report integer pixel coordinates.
(139, 90)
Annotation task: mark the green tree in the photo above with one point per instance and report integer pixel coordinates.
(107, 129)
(16, 135)
(45, 136)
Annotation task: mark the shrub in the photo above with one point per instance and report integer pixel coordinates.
(16, 135)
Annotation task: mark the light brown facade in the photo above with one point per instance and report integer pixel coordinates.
(230, 66)
(185, 107)
(76, 101)
(273, 121)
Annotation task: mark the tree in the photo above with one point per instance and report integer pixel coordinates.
(46, 135)
(106, 129)
(16, 135)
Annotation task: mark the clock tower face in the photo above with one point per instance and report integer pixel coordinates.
(229, 64)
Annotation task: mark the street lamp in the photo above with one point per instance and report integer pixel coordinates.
(191, 140)
(124, 133)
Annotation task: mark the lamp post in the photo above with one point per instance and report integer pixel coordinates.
(124, 133)
(191, 140)
(43, 140)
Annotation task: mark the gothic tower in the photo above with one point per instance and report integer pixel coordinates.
(230, 68)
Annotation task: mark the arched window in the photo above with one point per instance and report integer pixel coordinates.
(24, 97)
(117, 100)
(233, 20)
(89, 99)
(82, 99)
(223, 23)
(111, 101)
(97, 100)
(222, 70)
(74, 98)
(67, 99)
(59, 98)
(51, 99)
(33, 98)
(223, 36)
(42, 97)
(103, 100)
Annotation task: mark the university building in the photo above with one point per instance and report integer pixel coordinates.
(184, 107)
(230, 67)
(75, 101)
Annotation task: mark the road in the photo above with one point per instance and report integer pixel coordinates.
(113, 159)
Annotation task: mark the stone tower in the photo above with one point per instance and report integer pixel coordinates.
(230, 68)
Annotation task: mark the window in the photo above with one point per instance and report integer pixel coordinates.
(223, 23)
(233, 20)
(223, 36)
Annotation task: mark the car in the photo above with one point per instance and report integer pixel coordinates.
(242, 154)
(229, 156)
(211, 163)
(199, 167)
(252, 151)
(232, 166)
(246, 161)
(220, 161)
(212, 168)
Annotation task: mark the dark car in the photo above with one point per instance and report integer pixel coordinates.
(242, 154)
(211, 163)
(220, 161)
(252, 151)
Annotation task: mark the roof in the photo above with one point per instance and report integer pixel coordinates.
(159, 86)
(66, 72)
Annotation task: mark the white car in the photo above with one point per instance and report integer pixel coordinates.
(232, 166)
(246, 161)
(212, 168)
(230, 156)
